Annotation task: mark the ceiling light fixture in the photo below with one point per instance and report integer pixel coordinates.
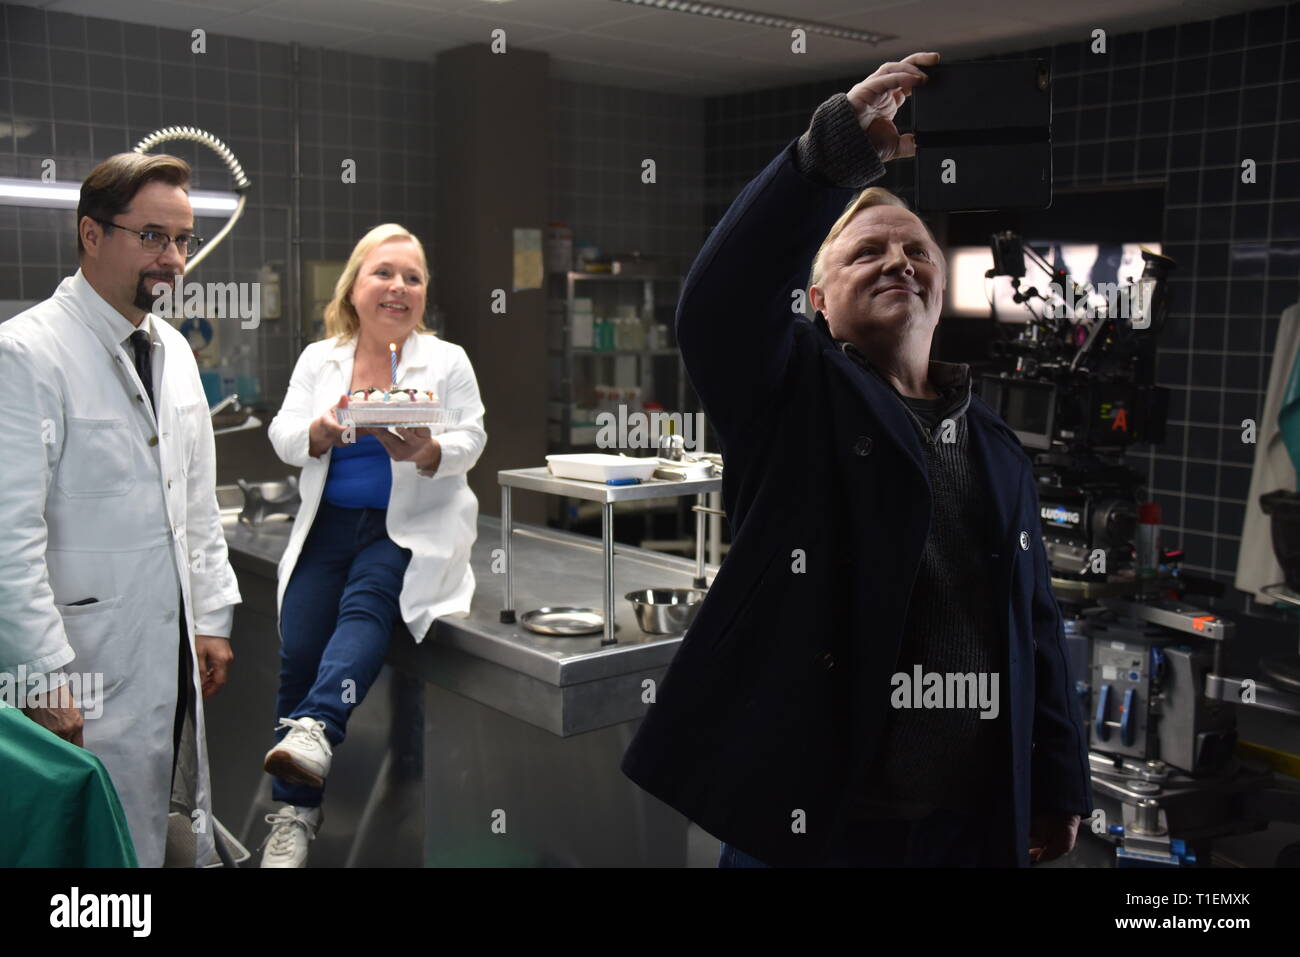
(33, 192)
(762, 19)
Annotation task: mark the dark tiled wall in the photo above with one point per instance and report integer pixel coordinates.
(1185, 105)
(599, 137)
(77, 89)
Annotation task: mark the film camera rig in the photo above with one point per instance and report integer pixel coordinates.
(1150, 672)
(1080, 391)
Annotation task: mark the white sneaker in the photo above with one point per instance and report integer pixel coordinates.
(303, 755)
(292, 829)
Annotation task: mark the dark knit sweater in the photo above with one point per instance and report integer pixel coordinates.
(939, 757)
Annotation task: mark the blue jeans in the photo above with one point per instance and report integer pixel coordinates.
(335, 624)
(944, 839)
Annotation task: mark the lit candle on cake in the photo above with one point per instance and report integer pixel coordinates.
(392, 355)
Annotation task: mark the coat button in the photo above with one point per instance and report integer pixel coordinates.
(1024, 541)
(153, 440)
(862, 446)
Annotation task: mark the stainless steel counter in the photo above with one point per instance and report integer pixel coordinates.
(479, 721)
(496, 664)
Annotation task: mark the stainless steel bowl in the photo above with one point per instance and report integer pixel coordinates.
(665, 611)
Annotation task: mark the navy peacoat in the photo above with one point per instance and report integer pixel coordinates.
(768, 718)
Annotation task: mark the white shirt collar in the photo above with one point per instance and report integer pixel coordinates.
(120, 327)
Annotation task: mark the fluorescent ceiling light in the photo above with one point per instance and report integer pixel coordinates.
(761, 19)
(33, 192)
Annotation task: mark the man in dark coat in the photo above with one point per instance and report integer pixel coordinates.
(878, 675)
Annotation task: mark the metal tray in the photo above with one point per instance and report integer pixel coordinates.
(563, 621)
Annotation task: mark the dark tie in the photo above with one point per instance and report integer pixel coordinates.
(140, 343)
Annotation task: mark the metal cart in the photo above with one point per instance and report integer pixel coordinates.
(541, 480)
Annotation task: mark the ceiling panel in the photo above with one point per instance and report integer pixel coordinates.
(463, 29)
(133, 11)
(633, 44)
(607, 75)
(276, 30)
(175, 16)
(556, 14)
(668, 29)
(642, 56)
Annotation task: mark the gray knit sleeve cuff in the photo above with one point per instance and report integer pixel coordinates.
(835, 149)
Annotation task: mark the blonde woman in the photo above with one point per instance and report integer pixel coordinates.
(385, 526)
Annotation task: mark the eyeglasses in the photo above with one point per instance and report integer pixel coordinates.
(155, 241)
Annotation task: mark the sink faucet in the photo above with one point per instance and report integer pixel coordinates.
(282, 500)
(232, 399)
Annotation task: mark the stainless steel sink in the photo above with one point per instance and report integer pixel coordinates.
(258, 502)
(230, 499)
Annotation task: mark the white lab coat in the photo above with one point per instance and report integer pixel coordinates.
(1257, 564)
(436, 518)
(103, 500)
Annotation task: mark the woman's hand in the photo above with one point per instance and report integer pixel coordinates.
(326, 433)
(411, 445)
(877, 98)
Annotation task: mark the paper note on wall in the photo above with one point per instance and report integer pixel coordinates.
(528, 259)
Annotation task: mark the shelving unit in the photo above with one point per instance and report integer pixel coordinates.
(573, 372)
(577, 370)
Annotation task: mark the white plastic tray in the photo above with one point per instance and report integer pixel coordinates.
(386, 414)
(598, 467)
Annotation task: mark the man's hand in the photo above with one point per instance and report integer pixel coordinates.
(56, 711)
(413, 445)
(215, 657)
(878, 97)
(1051, 835)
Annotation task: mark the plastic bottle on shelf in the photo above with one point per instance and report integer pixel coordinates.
(246, 382)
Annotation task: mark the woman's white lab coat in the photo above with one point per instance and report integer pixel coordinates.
(436, 518)
(102, 499)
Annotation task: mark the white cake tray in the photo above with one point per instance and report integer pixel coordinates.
(433, 419)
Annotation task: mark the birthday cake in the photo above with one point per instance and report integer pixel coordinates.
(404, 407)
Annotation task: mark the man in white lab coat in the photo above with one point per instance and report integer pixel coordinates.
(115, 563)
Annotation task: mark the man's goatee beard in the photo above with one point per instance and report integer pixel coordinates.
(144, 297)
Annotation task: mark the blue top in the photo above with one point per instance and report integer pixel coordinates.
(360, 475)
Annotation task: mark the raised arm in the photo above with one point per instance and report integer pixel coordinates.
(735, 320)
